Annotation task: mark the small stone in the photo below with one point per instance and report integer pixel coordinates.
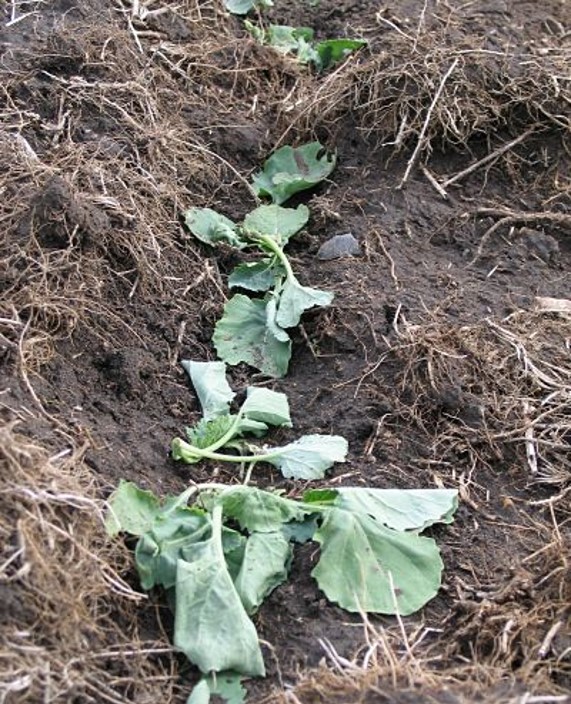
(339, 246)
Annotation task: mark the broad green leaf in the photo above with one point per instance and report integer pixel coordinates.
(247, 332)
(331, 51)
(255, 276)
(290, 170)
(267, 406)
(295, 299)
(211, 386)
(276, 222)
(401, 509)
(131, 510)
(212, 627)
(211, 227)
(254, 509)
(242, 7)
(309, 457)
(267, 557)
(365, 566)
(159, 549)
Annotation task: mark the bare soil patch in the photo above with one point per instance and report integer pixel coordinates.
(441, 360)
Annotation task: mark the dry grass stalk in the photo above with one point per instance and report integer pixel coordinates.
(496, 388)
(67, 630)
(403, 93)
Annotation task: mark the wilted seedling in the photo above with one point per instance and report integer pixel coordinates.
(306, 458)
(253, 330)
(221, 556)
(300, 41)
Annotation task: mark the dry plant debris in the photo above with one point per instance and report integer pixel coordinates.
(501, 389)
(68, 631)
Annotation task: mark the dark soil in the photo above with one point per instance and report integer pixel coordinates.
(113, 292)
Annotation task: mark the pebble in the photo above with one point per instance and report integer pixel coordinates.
(339, 246)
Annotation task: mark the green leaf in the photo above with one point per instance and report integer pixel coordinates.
(200, 693)
(284, 39)
(365, 566)
(295, 299)
(233, 544)
(309, 457)
(401, 509)
(255, 276)
(276, 222)
(211, 626)
(159, 549)
(131, 510)
(247, 332)
(300, 531)
(242, 7)
(320, 496)
(290, 170)
(331, 51)
(211, 227)
(256, 510)
(211, 386)
(267, 557)
(207, 432)
(227, 685)
(267, 406)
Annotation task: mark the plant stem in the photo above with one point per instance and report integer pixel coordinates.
(278, 251)
(208, 454)
(229, 434)
(249, 471)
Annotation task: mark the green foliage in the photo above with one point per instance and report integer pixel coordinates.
(210, 227)
(293, 169)
(212, 627)
(211, 386)
(218, 576)
(331, 51)
(306, 458)
(226, 685)
(253, 330)
(365, 566)
(309, 457)
(274, 222)
(248, 332)
(300, 41)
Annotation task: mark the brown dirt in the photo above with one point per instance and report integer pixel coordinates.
(434, 361)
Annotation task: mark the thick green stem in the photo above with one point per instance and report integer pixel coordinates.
(208, 454)
(278, 251)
